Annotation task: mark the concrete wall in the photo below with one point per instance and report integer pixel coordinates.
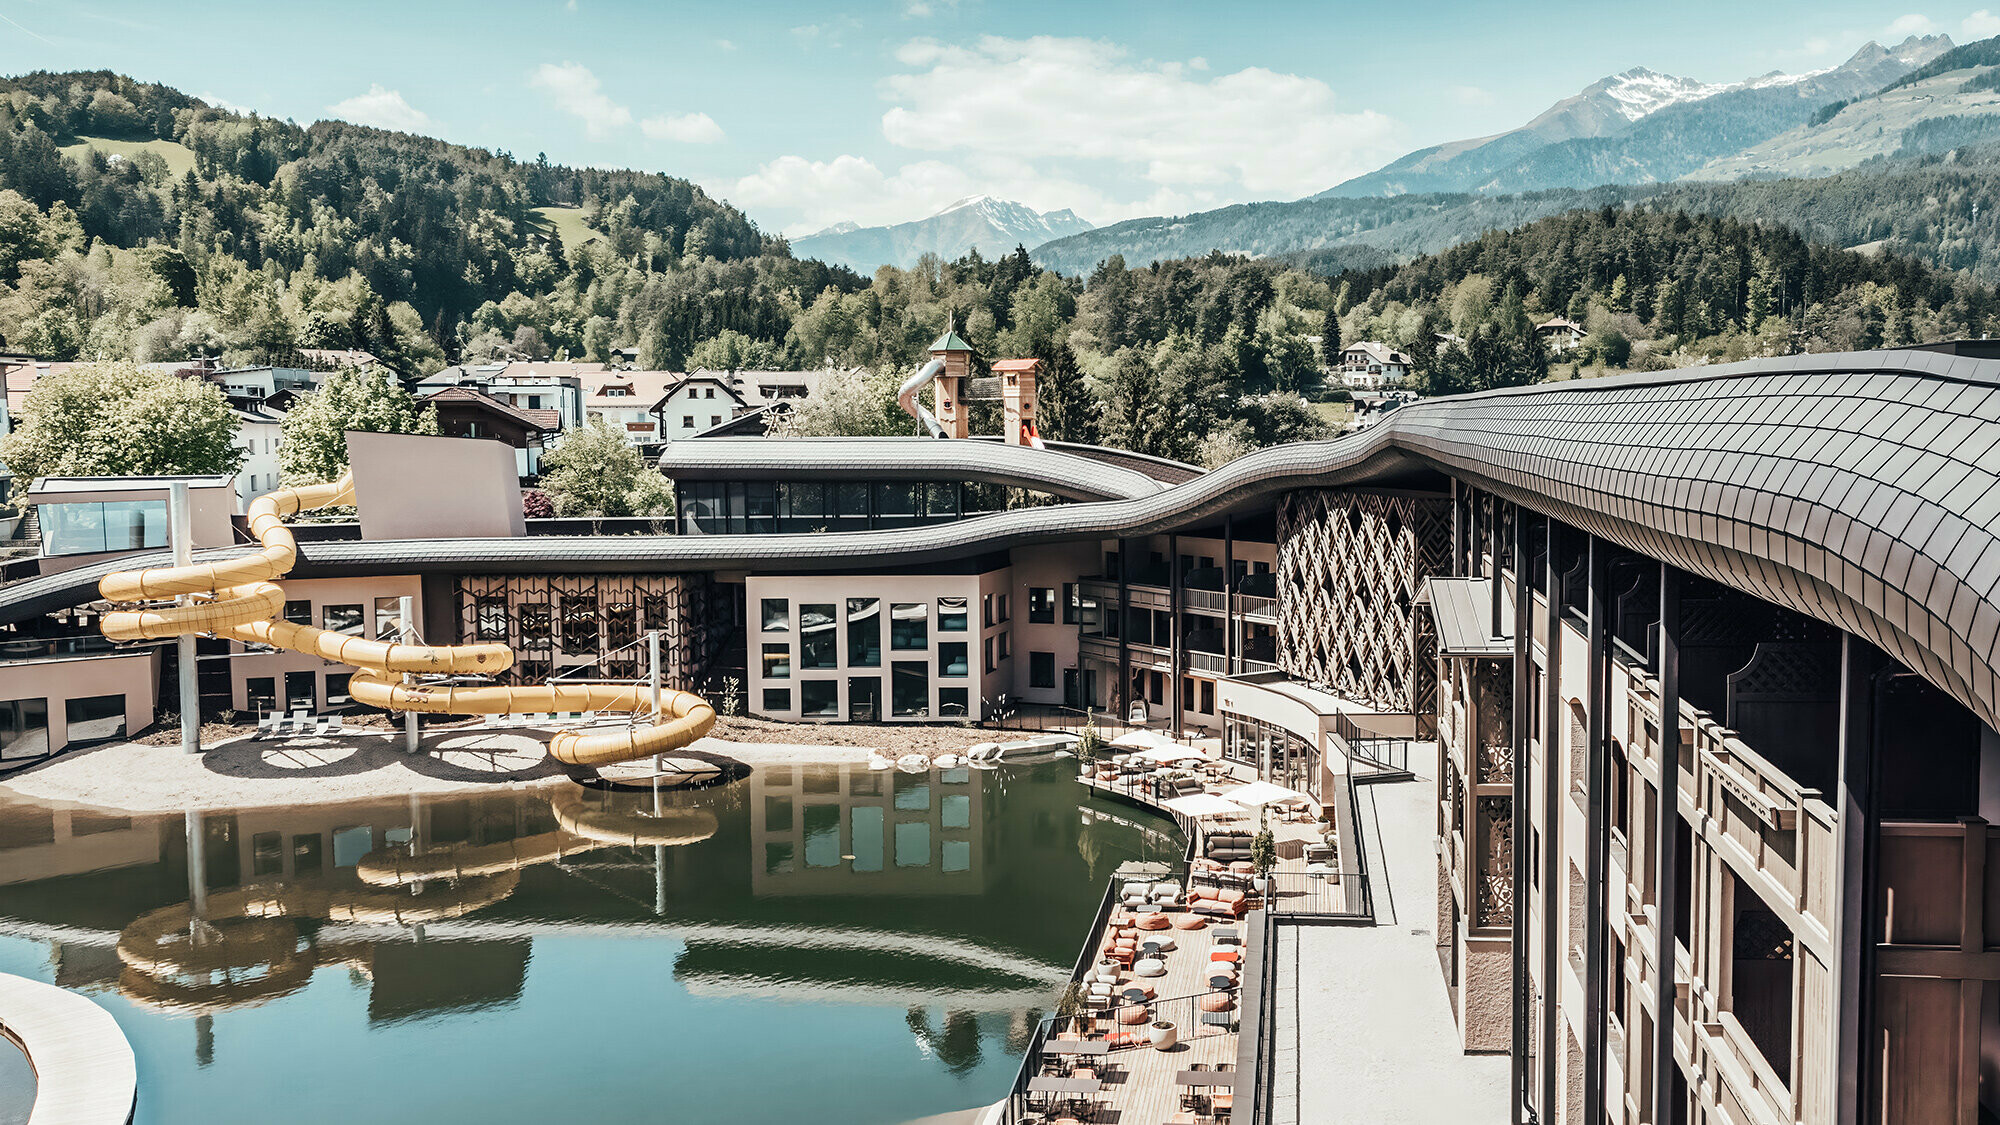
(414, 487)
(246, 663)
(889, 590)
(1048, 568)
(134, 674)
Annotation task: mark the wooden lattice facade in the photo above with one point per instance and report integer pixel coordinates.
(1350, 564)
(592, 625)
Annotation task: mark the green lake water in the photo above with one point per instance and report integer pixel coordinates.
(811, 943)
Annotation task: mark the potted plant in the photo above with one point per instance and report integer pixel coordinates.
(1089, 743)
(1263, 857)
(1070, 1006)
(1162, 1034)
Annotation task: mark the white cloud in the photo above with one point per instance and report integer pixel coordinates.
(924, 9)
(725, 44)
(1254, 133)
(575, 90)
(687, 128)
(1913, 24)
(383, 109)
(848, 187)
(1981, 24)
(220, 102)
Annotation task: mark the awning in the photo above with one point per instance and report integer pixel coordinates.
(1463, 609)
(1200, 805)
(1257, 794)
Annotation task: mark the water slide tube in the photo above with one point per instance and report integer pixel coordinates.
(906, 396)
(240, 599)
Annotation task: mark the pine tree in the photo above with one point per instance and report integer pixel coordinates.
(1067, 411)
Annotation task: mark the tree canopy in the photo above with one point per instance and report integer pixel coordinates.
(119, 419)
(313, 437)
(594, 471)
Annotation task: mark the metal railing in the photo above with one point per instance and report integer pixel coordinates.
(1382, 741)
(1128, 1027)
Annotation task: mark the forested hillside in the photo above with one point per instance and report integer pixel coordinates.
(276, 237)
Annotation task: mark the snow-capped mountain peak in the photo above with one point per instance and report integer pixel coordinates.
(991, 225)
(1640, 92)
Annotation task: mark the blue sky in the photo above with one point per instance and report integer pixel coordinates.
(805, 114)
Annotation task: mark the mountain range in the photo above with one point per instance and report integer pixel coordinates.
(1630, 136)
(993, 226)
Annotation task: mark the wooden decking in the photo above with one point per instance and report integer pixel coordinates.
(84, 1070)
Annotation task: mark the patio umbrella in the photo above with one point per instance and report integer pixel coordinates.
(1141, 740)
(1257, 794)
(1142, 869)
(1203, 804)
(1166, 755)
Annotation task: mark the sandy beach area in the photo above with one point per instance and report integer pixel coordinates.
(151, 774)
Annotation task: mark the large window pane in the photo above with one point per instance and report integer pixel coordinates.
(389, 619)
(580, 624)
(941, 500)
(777, 615)
(819, 699)
(342, 619)
(818, 635)
(865, 831)
(822, 823)
(909, 626)
(24, 728)
(951, 615)
(1042, 669)
(92, 527)
(895, 503)
(910, 690)
(954, 702)
(1041, 605)
(95, 718)
(913, 843)
(952, 659)
(864, 633)
(777, 699)
(490, 617)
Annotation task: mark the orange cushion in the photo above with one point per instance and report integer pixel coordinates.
(1217, 1002)
(1229, 955)
(1154, 922)
(1190, 922)
(1230, 897)
(1134, 1015)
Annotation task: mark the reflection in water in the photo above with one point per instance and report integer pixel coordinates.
(949, 902)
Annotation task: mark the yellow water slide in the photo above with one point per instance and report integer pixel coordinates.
(240, 599)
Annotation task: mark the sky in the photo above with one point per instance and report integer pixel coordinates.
(805, 114)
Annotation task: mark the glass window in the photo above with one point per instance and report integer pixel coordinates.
(343, 619)
(1006, 645)
(490, 617)
(954, 702)
(299, 688)
(941, 500)
(95, 718)
(818, 635)
(760, 503)
(1041, 605)
(24, 728)
(954, 856)
(778, 699)
(955, 810)
(260, 693)
(864, 632)
(913, 843)
(336, 687)
(778, 662)
(777, 814)
(777, 615)
(909, 626)
(535, 625)
(92, 527)
(579, 624)
(389, 620)
(308, 853)
(865, 829)
(819, 699)
(952, 659)
(910, 689)
(986, 611)
(850, 499)
(802, 506)
(267, 853)
(1042, 669)
(1005, 612)
(822, 832)
(299, 612)
(895, 503)
(951, 615)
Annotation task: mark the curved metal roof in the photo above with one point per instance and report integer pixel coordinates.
(1861, 489)
(1018, 466)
